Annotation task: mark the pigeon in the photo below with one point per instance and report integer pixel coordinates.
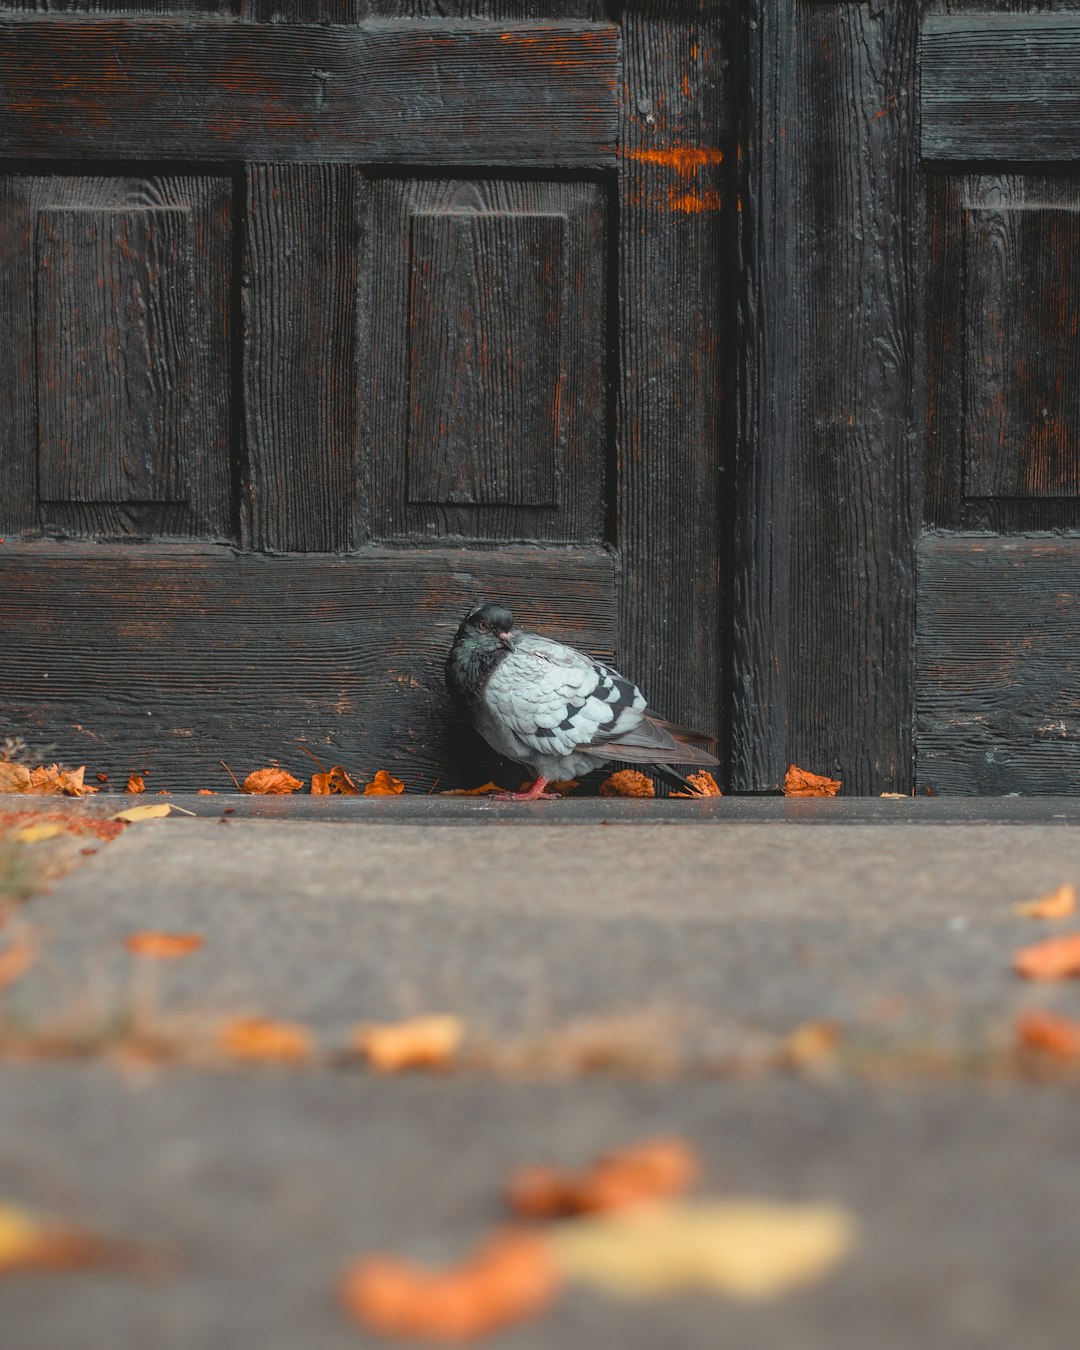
(554, 709)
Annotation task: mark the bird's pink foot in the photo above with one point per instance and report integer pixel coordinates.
(535, 794)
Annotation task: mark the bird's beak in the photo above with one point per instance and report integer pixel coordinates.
(507, 641)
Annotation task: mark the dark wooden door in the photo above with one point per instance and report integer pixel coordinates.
(999, 561)
(326, 319)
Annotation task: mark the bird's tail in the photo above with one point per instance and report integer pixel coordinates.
(673, 779)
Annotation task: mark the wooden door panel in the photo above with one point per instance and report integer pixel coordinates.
(304, 235)
(117, 297)
(409, 92)
(171, 659)
(486, 357)
(999, 665)
(998, 684)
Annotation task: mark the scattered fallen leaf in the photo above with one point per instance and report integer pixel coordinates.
(151, 811)
(383, 785)
(1058, 904)
(205, 792)
(705, 783)
(29, 1242)
(102, 777)
(165, 946)
(270, 782)
(1054, 959)
(15, 961)
(748, 1249)
(420, 1043)
(812, 1044)
(801, 783)
(481, 791)
(655, 1169)
(65, 824)
(509, 1279)
(335, 783)
(14, 777)
(263, 1038)
(136, 783)
(896, 796)
(627, 783)
(1039, 1029)
(35, 834)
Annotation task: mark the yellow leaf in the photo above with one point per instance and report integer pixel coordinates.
(747, 1249)
(1058, 904)
(148, 812)
(33, 834)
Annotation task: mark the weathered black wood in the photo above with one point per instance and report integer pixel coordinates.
(677, 354)
(1000, 86)
(1003, 286)
(999, 664)
(171, 660)
(485, 367)
(352, 11)
(303, 227)
(214, 89)
(114, 410)
(834, 311)
(485, 322)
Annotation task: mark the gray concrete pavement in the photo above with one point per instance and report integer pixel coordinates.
(738, 924)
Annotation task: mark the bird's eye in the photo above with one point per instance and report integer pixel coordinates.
(482, 626)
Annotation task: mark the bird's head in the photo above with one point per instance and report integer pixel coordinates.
(487, 628)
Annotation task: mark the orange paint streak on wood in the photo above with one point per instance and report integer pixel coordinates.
(684, 159)
(693, 203)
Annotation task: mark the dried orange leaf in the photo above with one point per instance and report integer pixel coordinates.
(270, 782)
(1058, 904)
(15, 961)
(481, 791)
(801, 783)
(151, 811)
(508, 1280)
(1055, 959)
(263, 1038)
(747, 1249)
(655, 1169)
(419, 1043)
(810, 1044)
(206, 792)
(29, 1242)
(136, 783)
(55, 781)
(336, 783)
(1050, 1032)
(383, 785)
(705, 783)
(627, 783)
(163, 946)
(14, 777)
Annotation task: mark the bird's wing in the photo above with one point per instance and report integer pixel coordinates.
(555, 699)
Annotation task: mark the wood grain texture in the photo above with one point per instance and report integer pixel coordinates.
(485, 358)
(353, 11)
(171, 660)
(1023, 331)
(676, 224)
(302, 227)
(1000, 86)
(114, 409)
(115, 298)
(1003, 352)
(220, 89)
(837, 154)
(999, 665)
(432, 373)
